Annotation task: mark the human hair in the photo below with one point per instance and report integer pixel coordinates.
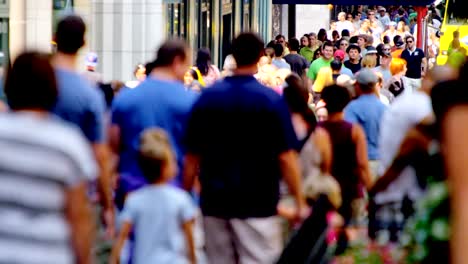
(169, 51)
(447, 94)
(278, 37)
(386, 40)
(154, 153)
(278, 50)
(296, 96)
(313, 35)
(317, 54)
(302, 38)
(149, 66)
(409, 37)
(322, 35)
(353, 40)
(293, 44)
(139, 67)
(327, 44)
(247, 48)
(368, 62)
(345, 33)
(70, 34)
(336, 65)
(396, 38)
(397, 65)
(336, 98)
(335, 34)
(31, 83)
(203, 61)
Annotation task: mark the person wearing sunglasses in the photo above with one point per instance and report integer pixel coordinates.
(416, 61)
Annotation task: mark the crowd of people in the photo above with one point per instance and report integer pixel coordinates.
(190, 164)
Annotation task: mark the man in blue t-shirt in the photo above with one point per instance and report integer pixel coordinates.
(240, 137)
(81, 104)
(159, 101)
(367, 111)
(416, 63)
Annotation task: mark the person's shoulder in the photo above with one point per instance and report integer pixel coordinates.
(177, 194)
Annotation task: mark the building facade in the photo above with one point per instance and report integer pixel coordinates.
(125, 33)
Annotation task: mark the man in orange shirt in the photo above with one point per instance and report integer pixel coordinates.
(400, 47)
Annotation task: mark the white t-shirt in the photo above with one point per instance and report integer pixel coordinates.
(406, 111)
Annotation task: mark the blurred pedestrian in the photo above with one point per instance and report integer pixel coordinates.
(83, 105)
(209, 72)
(161, 100)
(231, 160)
(46, 168)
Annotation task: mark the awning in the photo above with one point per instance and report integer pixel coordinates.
(357, 2)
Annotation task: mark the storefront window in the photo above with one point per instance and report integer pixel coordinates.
(246, 15)
(176, 19)
(205, 24)
(60, 8)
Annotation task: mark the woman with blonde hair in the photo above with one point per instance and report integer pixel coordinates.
(397, 83)
(369, 62)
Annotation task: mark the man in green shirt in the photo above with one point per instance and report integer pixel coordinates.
(324, 61)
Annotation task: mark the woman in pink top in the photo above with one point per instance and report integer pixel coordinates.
(209, 72)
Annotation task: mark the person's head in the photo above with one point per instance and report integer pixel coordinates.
(335, 35)
(280, 39)
(247, 48)
(369, 61)
(336, 98)
(343, 44)
(140, 72)
(382, 11)
(392, 25)
(279, 50)
(456, 34)
(327, 50)
(386, 59)
(371, 15)
(70, 35)
(366, 81)
(353, 40)
(321, 111)
(401, 26)
(317, 54)
(409, 40)
(353, 52)
(357, 16)
(312, 39)
(380, 81)
(156, 157)
(339, 55)
(30, 83)
(190, 76)
(336, 65)
(445, 95)
(270, 49)
(341, 16)
(173, 55)
(322, 35)
(359, 8)
(345, 33)
(387, 48)
(305, 41)
(203, 61)
(362, 40)
(365, 24)
(349, 17)
(296, 96)
(333, 25)
(386, 40)
(398, 66)
(294, 44)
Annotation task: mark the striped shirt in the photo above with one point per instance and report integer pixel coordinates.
(40, 159)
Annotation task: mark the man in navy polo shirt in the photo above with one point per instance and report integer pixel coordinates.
(416, 63)
(240, 138)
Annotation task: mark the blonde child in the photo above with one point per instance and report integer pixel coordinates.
(160, 216)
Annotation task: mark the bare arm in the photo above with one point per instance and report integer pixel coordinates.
(359, 139)
(190, 172)
(322, 141)
(291, 171)
(80, 218)
(188, 232)
(119, 243)
(456, 146)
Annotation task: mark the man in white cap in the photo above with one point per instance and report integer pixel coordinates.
(383, 17)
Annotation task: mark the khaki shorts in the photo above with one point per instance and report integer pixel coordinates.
(245, 241)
